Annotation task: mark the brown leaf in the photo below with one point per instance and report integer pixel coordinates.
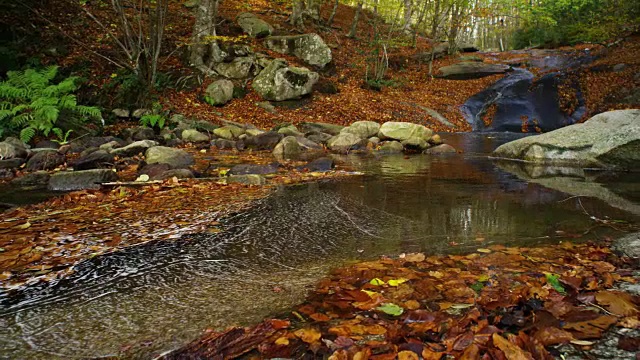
(408, 355)
(591, 329)
(308, 335)
(552, 335)
(510, 350)
(617, 302)
(472, 352)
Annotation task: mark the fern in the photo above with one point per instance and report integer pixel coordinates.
(30, 103)
(153, 120)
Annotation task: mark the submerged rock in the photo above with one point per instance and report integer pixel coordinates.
(245, 169)
(287, 148)
(607, 140)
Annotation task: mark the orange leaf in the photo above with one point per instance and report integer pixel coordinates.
(511, 351)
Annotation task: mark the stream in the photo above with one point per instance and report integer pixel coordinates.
(152, 298)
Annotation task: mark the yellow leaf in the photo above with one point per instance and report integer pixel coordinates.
(309, 335)
(370, 293)
(282, 341)
(376, 282)
(23, 226)
(396, 282)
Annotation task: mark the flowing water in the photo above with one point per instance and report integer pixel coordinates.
(155, 297)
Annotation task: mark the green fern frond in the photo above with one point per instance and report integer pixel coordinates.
(27, 134)
(88, 111)
(58, 132)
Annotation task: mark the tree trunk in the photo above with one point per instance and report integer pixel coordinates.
(356, 17)
(296, 14)
(313, 9)
(204, 50)
(333, 12)
(436, 20)
(408, 12)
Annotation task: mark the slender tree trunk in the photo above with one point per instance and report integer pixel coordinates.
(333, 12)
(204, 52)
(408, 12)
(313, 9)
(356, 17)
(375, 8)
(296, 14)
(436, 20)
(421, 17)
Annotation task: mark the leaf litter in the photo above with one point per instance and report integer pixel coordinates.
(430, 307)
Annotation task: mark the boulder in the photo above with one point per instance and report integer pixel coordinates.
(344, 142)
(153, 170)
(441, 149)
(330, 129)
(628, 245)
(471, 70)
(244, 169)
(10, 150)
(238, 68)
(308, 47)
(287, 148)
(11, 163)
(95, 160)
(45, 160)
(177, 173)
(228, 132)
(267, 107)
(224, 144)
(402, 131)
(279, 82)
(319, 137)
(47, 144)
(415, 143)
(121, 113)
(134, 148)
(254, 26)
(176, 158)
(607, 140)
(264, 141)
(38, 179)
(79, 145)
(363, 129)
(219, 92)
(435, 140)
(81, 180)
(142, 133)
(390, 147)
(250, 179)
(194, 136)
(139, 113)
(290, 130)
(307, 144)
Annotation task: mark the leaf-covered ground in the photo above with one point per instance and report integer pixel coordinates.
(497, 303)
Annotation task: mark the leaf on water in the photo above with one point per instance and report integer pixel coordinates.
(484, 251)
(391, 309)
(554, 282)
(617, 302)
(415, 257)
(396, 282)
(376, 282)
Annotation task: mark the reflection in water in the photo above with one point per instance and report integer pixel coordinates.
(155, 297)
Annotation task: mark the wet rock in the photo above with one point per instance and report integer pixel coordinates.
(228, 132)
(47, 144)
(153, 170)
(264, 141)
(81, 144)
(518, 100)
(194, 136)
(81, 180)
(318, 165)
(11, 163)
(134, 148)
(472, 70)
(363, 129)
(176, 158)
(345, 142)
(307, 144)
(441, 149)
(177, 173)
(415, 144)
(391, 147)
(330, 129)
(45, 160)
(224, 144)
(10, 150)
(374, 140)
(245, 169)
(95, 160)
(139, 113)
(287, 148)
(607, 140)
(251, 179)
(308, 47)
(628, 245)
(290, 130)
(319, 137)
(435, 140)
(143, 133)
(279, 82)
(402, 131)
(254, 26)
(219, 92)
(38, 179)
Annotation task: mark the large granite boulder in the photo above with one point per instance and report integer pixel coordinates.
(94, 160)
(331, 129)
(134, 148)
(363, 129)
(81, 180)
(607, 140)
(176, 158)
(279, 82)
(263, 141)
(45, 160)
(472, 70)
(253, 25)
(11, 150)
(219, 92)
(345, 142)
(287, 148)
(238, 68)
(308, 47)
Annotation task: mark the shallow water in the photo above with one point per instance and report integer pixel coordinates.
(155, 297)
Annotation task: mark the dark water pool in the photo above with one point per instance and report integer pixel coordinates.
(153, 298)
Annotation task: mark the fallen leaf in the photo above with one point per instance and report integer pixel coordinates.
(408, 355)
(391, 309)
(308, 335)
(617, 302)
(511, 351)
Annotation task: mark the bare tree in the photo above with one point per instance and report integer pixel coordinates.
(296, 19)
(356, 17)
(408, 12)
(333, 12)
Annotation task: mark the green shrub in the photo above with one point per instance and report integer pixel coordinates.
(30, 102)
(156, 118)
